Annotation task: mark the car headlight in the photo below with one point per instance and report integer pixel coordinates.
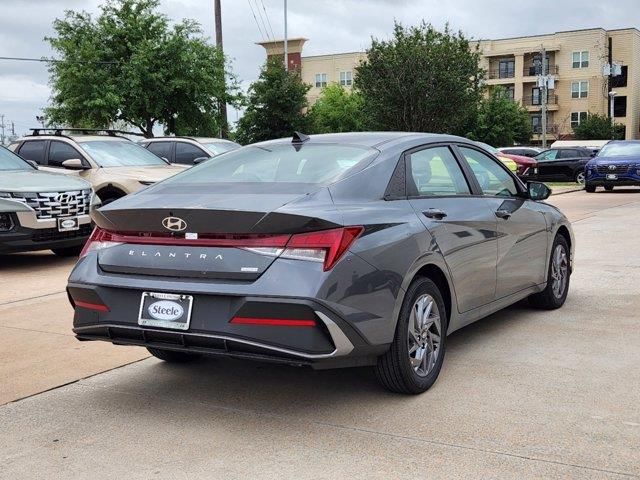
(6, 222)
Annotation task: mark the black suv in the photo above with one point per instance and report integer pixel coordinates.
(561, 165)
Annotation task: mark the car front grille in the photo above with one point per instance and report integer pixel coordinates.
(618, 169)
(52, 234)
(56, 204)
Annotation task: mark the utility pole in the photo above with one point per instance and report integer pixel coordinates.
(612, 100)
(222, 103)
(286, 39)
(2, 129)
(543, 90)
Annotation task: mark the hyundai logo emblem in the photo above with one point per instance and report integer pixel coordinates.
(64, 198)
(174, 224)
(612, 167)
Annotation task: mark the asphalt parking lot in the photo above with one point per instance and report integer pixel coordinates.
(522, 394)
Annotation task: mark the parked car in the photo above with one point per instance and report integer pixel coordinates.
(617, 164)
(521, 151)
(188, 150)
(516, 163)
(561, 165)
(42, 211)
(114, 165)
(328, 251)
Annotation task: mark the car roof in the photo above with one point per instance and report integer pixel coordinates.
(196, 139)
(76, 138)
(372, 139)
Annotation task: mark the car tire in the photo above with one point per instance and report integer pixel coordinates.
(402, 371)
(589, 188)
(558, 277)
(68, 251)
(172, 356)
(580, 177)
(608, 188)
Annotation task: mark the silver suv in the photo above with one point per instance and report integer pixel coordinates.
(188, 150)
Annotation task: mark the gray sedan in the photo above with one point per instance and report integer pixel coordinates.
(324, 251)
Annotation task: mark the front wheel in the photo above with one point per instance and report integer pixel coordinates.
(415, 358)
(558, 276)
(590, 188)
(580, 177)
(608, 188)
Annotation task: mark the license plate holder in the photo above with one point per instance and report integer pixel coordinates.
(612, 176)
(165, 310)
(68, 224)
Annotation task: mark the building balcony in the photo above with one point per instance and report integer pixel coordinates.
(534, 70)
(534, 102)
(497, 74)
(552, 129)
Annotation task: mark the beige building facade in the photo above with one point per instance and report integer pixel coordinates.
(576, 61)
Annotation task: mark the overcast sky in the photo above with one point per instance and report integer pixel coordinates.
(330, 25)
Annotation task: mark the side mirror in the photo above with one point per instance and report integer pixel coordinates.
(538, 191)
(200, 160)
(33, 163)
(74, 164)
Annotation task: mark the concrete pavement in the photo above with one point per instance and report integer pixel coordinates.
(523, 394)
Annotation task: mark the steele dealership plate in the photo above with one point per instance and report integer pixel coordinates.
(68, 224)
(612, 176)
(165, 310)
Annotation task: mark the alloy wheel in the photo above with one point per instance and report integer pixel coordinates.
(559, 271)
(580, 178)
(424, 335)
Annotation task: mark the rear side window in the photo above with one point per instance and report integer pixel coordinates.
(187, 153)
(548, 155)
(59, 152)
(33, 150)
(493, 179)
(278, 164)
(568, 153)
(161, 149)
(435, 171)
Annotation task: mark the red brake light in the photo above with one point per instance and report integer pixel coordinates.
(273, 322)
(331, 244)
(91, 306)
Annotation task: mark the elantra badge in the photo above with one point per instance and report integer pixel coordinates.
(174, 224)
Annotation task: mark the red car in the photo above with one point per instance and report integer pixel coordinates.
(524, 163)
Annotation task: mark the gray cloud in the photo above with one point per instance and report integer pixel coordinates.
(330, 26)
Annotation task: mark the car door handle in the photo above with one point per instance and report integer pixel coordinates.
(434, 213)
(503, 214)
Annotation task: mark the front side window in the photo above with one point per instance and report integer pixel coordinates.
(492, 177)
(187, 153)
(275, 165)
(59, 152)
(577, 118)
(580, 59)
(435, 171)
(321, 80)
(547, 155)
(115, 153)
(345, 79)
(11, 161)
(579, 89)
(33, 150)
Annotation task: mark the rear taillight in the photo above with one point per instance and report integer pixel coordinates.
(326, 246)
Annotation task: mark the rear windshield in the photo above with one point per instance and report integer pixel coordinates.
(307, 164)
(220, 147)
(10, 161)
(620, 150)
(110, 153)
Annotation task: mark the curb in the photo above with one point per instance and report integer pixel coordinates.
(562, 192)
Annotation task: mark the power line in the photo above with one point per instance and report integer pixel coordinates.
(268, 21)
(54, 60)
(264, 25)
(254, 17)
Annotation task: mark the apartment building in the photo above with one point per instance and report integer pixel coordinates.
(575, 60)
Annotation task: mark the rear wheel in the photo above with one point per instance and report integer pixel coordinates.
(415, 358)
(590, 188)
(172, 356)
(558, 276)
(68, 251)
(608, 188)
(580, 177)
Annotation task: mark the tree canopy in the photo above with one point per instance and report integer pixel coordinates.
(129, 64)
(501, 122)
(338, 110)
(422, 79)
(598, 127)
(275, 105)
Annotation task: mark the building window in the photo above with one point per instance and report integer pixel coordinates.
(345, 79)
(507, 69)
(536, 96)
(510, 92)
(577, 118)
(536, 123)
(620, 106)
(321, 80)
(580, 59)
(620, 80)
(579, 89)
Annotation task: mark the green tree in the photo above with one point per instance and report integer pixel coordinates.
(501, 122)
(421, 80)
(129, 64)
(275, 105)
(338, 110)
(598, 127)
